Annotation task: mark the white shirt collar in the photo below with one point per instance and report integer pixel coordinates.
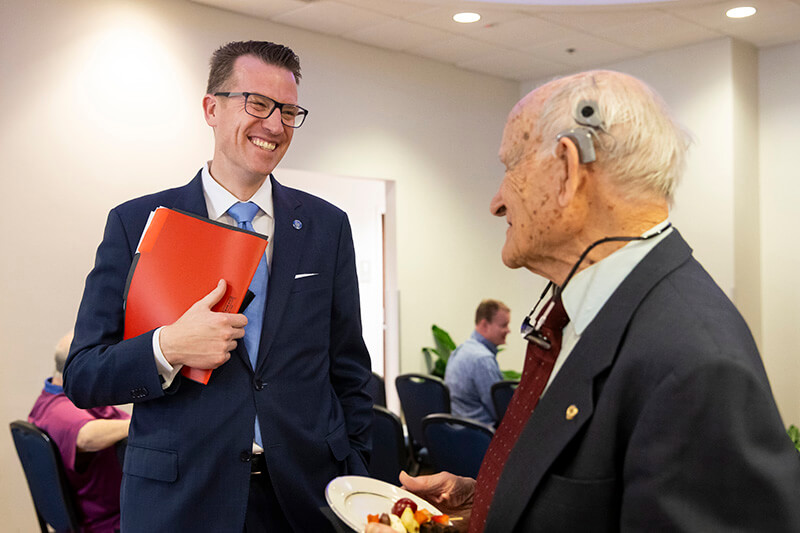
(219, 199)
(589, 290)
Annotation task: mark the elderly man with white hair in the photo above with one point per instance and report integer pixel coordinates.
(644, 404)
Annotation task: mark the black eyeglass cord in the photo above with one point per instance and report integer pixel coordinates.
(533, 334)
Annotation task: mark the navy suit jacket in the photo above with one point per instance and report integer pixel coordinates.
(186, 465)
(676, 428)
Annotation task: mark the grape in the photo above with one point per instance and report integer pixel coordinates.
(401, 504)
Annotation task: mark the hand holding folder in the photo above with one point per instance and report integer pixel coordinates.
(180, 259)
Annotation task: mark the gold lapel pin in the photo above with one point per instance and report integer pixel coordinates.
(572, 412)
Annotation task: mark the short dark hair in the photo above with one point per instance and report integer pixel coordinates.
(270, 53)
(487, 309)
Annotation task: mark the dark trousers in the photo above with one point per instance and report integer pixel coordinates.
(264, 513)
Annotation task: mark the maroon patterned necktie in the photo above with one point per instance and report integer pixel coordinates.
(535, 374)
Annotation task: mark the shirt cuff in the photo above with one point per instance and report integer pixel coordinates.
(165, 370)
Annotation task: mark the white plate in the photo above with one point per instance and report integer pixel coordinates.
(352, 498)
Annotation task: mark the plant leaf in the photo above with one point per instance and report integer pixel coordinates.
(439, 368)
(443, 340)
(794, 434)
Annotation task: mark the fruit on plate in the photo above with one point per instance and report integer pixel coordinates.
(406, 517)
(401, 504)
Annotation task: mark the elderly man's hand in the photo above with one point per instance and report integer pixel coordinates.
(451, 494)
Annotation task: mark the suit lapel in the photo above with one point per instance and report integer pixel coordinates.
(549, 431)
(288, 244)
(191, 198)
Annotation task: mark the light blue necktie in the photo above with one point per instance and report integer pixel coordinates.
(243, 213)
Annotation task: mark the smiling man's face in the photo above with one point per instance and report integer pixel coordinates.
(246, 148)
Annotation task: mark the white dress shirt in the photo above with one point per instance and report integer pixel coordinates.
(589, 290)
(218, 201)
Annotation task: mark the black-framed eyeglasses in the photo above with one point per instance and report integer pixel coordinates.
(260, 106)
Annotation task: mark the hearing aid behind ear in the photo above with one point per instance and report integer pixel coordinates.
(587, 116)
(582, 137)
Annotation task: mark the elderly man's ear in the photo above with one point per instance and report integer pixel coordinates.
(574, 172)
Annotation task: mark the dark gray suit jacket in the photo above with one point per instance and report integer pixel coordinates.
(676, 430)
(186, 466)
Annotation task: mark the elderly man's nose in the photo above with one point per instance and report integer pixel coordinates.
(497, 207)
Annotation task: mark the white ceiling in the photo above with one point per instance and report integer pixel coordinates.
(525, 39)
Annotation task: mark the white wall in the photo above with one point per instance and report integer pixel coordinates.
(779, 76)
(102, 103)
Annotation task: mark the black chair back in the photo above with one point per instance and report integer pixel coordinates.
(502, 391)
(456, 445)
(377, 389)
(389, 452)
(421, 395)
(52, 494)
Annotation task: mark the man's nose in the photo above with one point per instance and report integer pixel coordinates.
(496, 206)
(273, 123)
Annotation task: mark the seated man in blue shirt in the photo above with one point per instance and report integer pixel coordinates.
(472, 367)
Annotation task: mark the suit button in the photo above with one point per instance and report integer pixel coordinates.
(139, 392)
(245, 456)
(258, 384)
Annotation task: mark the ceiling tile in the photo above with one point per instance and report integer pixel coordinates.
(442, 18)
(397, 35)
(595, 21)
(514, 65)
(523, 32)
(455, 49)
(257, 9)
(329, 17)
(393, 8)
(588, 51)
(658, 31)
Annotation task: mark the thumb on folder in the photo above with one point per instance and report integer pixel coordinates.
(202, 338)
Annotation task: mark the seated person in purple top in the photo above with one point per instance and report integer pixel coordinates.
(86, 439)
(472, 368)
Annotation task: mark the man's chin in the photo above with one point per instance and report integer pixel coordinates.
(510, 260)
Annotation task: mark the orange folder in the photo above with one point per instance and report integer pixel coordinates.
(181, 258)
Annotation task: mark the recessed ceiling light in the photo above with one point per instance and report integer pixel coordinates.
(740, 12)
(466, 18)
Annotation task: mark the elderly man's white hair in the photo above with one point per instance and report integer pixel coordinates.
(640, 146)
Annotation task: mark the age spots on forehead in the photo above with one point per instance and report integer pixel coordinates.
(526, 135)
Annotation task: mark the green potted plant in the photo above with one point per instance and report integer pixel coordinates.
(436, 358)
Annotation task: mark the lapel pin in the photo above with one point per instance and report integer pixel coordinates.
(297, 224)
(572, 412)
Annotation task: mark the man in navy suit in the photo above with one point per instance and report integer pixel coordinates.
(657, 414)
(254, 448)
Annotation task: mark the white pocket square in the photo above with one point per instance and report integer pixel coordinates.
(309, 274)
